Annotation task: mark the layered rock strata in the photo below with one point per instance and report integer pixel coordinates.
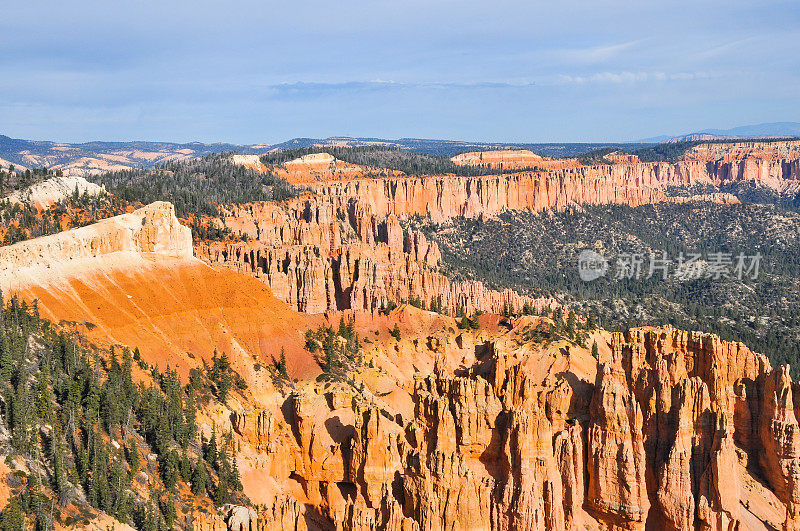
(342, 246)
(670, 430)
(152, 231)
(317, 255)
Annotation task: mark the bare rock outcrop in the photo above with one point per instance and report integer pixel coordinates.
(152, 229)
(317, 256)
(780, 437)
(652, 442)
(616, 462)
(50, 191)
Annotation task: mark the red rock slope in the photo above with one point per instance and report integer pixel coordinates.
(132, 280)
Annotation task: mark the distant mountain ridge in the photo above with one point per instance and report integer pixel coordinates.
(765, 130)
(98, 157)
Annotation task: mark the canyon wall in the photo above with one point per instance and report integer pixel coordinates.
(745, 149)
(669, 430)
(341, 246)
(319, 255)
(443, 197)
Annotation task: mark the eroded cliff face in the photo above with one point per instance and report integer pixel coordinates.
(745, 149)
(450, 429)
(443, 197)
(152, 229)
(668, 430)
(150, 233)
(509, 160)
(319, 254)
(342, 246)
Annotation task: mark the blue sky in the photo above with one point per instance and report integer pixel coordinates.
(252, 72)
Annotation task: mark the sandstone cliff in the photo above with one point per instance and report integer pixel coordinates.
(442, 197)
(342, 245)
(731, 151)
(661, 433)
(151, 230)
(317, 255)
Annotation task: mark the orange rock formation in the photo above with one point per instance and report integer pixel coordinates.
(741, 150)
(319, 255)
(509, 159)
(657, 435)
(619, 157)
(443, 429)
(317, 167)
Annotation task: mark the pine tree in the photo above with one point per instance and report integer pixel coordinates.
(570, 326)
(222, 494)
(13, 518)
(474, 323)
(6, 358)
(133, 457)
(236, 478)
(185, 468)
(20, 416)
(210, 452)
(595, 351)
(60, 484)
(44, 397)
(282, 370)
(42, 522)
(190, 414)
(127, 373)
(199, 478)
(221, 375)
(169, 512)
(170, 470)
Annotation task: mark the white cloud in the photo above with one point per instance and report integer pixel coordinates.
(628, 77)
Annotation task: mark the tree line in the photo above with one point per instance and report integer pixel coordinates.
(84, 426)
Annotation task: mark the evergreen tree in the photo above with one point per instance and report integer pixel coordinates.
(6, 359)
(170, 470)
(133, 458)
(169, 512)
(20, 414)
(282, 370)
(190, 414)
(210, 451)
(12, 517)
(199, 478)
(60, 483)
(185, 468)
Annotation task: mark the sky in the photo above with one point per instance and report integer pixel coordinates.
(262, 72)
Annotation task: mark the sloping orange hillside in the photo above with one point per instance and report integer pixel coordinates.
(169, 308)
